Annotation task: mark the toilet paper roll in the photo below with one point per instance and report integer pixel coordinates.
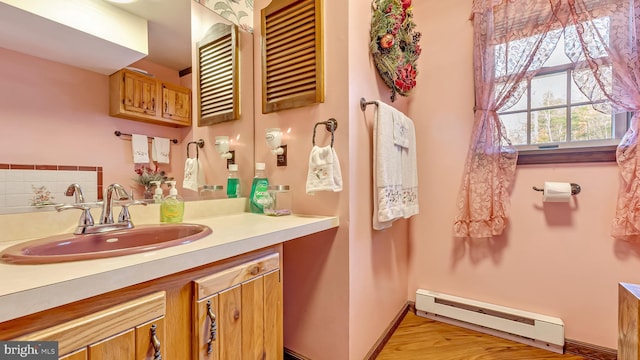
(556, 192)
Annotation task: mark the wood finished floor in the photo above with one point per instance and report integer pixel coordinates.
(421, 338)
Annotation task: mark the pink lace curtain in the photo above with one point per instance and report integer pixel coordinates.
(608, 67)
(512, 40)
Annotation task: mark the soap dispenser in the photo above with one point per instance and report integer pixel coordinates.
(158, 196)
(172, 207)
(233, 182)
(259, 188)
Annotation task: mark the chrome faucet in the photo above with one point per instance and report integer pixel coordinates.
(75, 189)
(112, 190)
(86, 225)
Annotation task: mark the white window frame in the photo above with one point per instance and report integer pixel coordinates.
(569, 151)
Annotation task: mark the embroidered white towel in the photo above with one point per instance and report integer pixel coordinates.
(160, 148)
(395, 170)
(140, 149)
(324, 170)
(193, 175)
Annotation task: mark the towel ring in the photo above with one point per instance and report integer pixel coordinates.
(199, 144)
(331, 125)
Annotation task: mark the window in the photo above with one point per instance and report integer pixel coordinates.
(553, 113)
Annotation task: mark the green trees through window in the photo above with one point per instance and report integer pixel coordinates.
(554, 112)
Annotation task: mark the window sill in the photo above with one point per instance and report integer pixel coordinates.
(568, 155)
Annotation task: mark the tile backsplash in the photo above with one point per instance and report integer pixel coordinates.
(25, 188)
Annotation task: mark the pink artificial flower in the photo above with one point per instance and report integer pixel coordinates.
(417, 50)
(405, 78)
(389, 9)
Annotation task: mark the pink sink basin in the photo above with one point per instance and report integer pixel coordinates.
(70, 247)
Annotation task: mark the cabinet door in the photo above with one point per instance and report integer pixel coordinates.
(150, 340)
(247, 301)
(253, 319)
(176, 103)
(140, 92)
(121, 347)
(273, 322)
(230, 324)
(206, 345)
(78, 355)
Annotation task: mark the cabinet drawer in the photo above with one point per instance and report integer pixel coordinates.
(225, 279)
(86, 330)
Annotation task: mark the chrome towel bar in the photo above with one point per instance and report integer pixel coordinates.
(364, 103)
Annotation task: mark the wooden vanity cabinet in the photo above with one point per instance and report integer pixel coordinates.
(245, 290)
(134, 330)
(238, 312)
(135, 96)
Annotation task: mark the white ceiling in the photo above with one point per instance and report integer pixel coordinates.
(169, 24)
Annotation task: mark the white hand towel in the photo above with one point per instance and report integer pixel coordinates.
(400, 132)
(324, 170)
(140, 149)
(193, 175)
(160, 148)
(395, 170)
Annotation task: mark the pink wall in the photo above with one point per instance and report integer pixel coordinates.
(342, 289)
(316, 268)
(378, 260)
(58, 114)
(555, 259)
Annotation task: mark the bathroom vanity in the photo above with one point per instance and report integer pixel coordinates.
(219, 297)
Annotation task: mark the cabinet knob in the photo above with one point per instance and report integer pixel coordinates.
(255, 270)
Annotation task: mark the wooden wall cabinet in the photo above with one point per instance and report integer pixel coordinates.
(135, 96)
(176, 103)
(243, 293)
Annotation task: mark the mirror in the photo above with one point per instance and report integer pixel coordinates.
(217, 54)
(58, 118)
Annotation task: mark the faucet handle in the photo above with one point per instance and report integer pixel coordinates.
(81, 206)
(125, 216)
(85, 219)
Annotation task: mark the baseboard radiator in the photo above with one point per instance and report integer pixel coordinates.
(537, 330)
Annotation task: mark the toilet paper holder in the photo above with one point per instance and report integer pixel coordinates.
(575, 189)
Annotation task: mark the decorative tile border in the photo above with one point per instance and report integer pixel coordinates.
(26, 187)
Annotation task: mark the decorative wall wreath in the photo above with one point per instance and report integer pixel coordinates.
(394, 44)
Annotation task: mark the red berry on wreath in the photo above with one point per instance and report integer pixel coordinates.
(386, 41)
(406, 4)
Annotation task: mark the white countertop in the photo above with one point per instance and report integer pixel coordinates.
(26, 289)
